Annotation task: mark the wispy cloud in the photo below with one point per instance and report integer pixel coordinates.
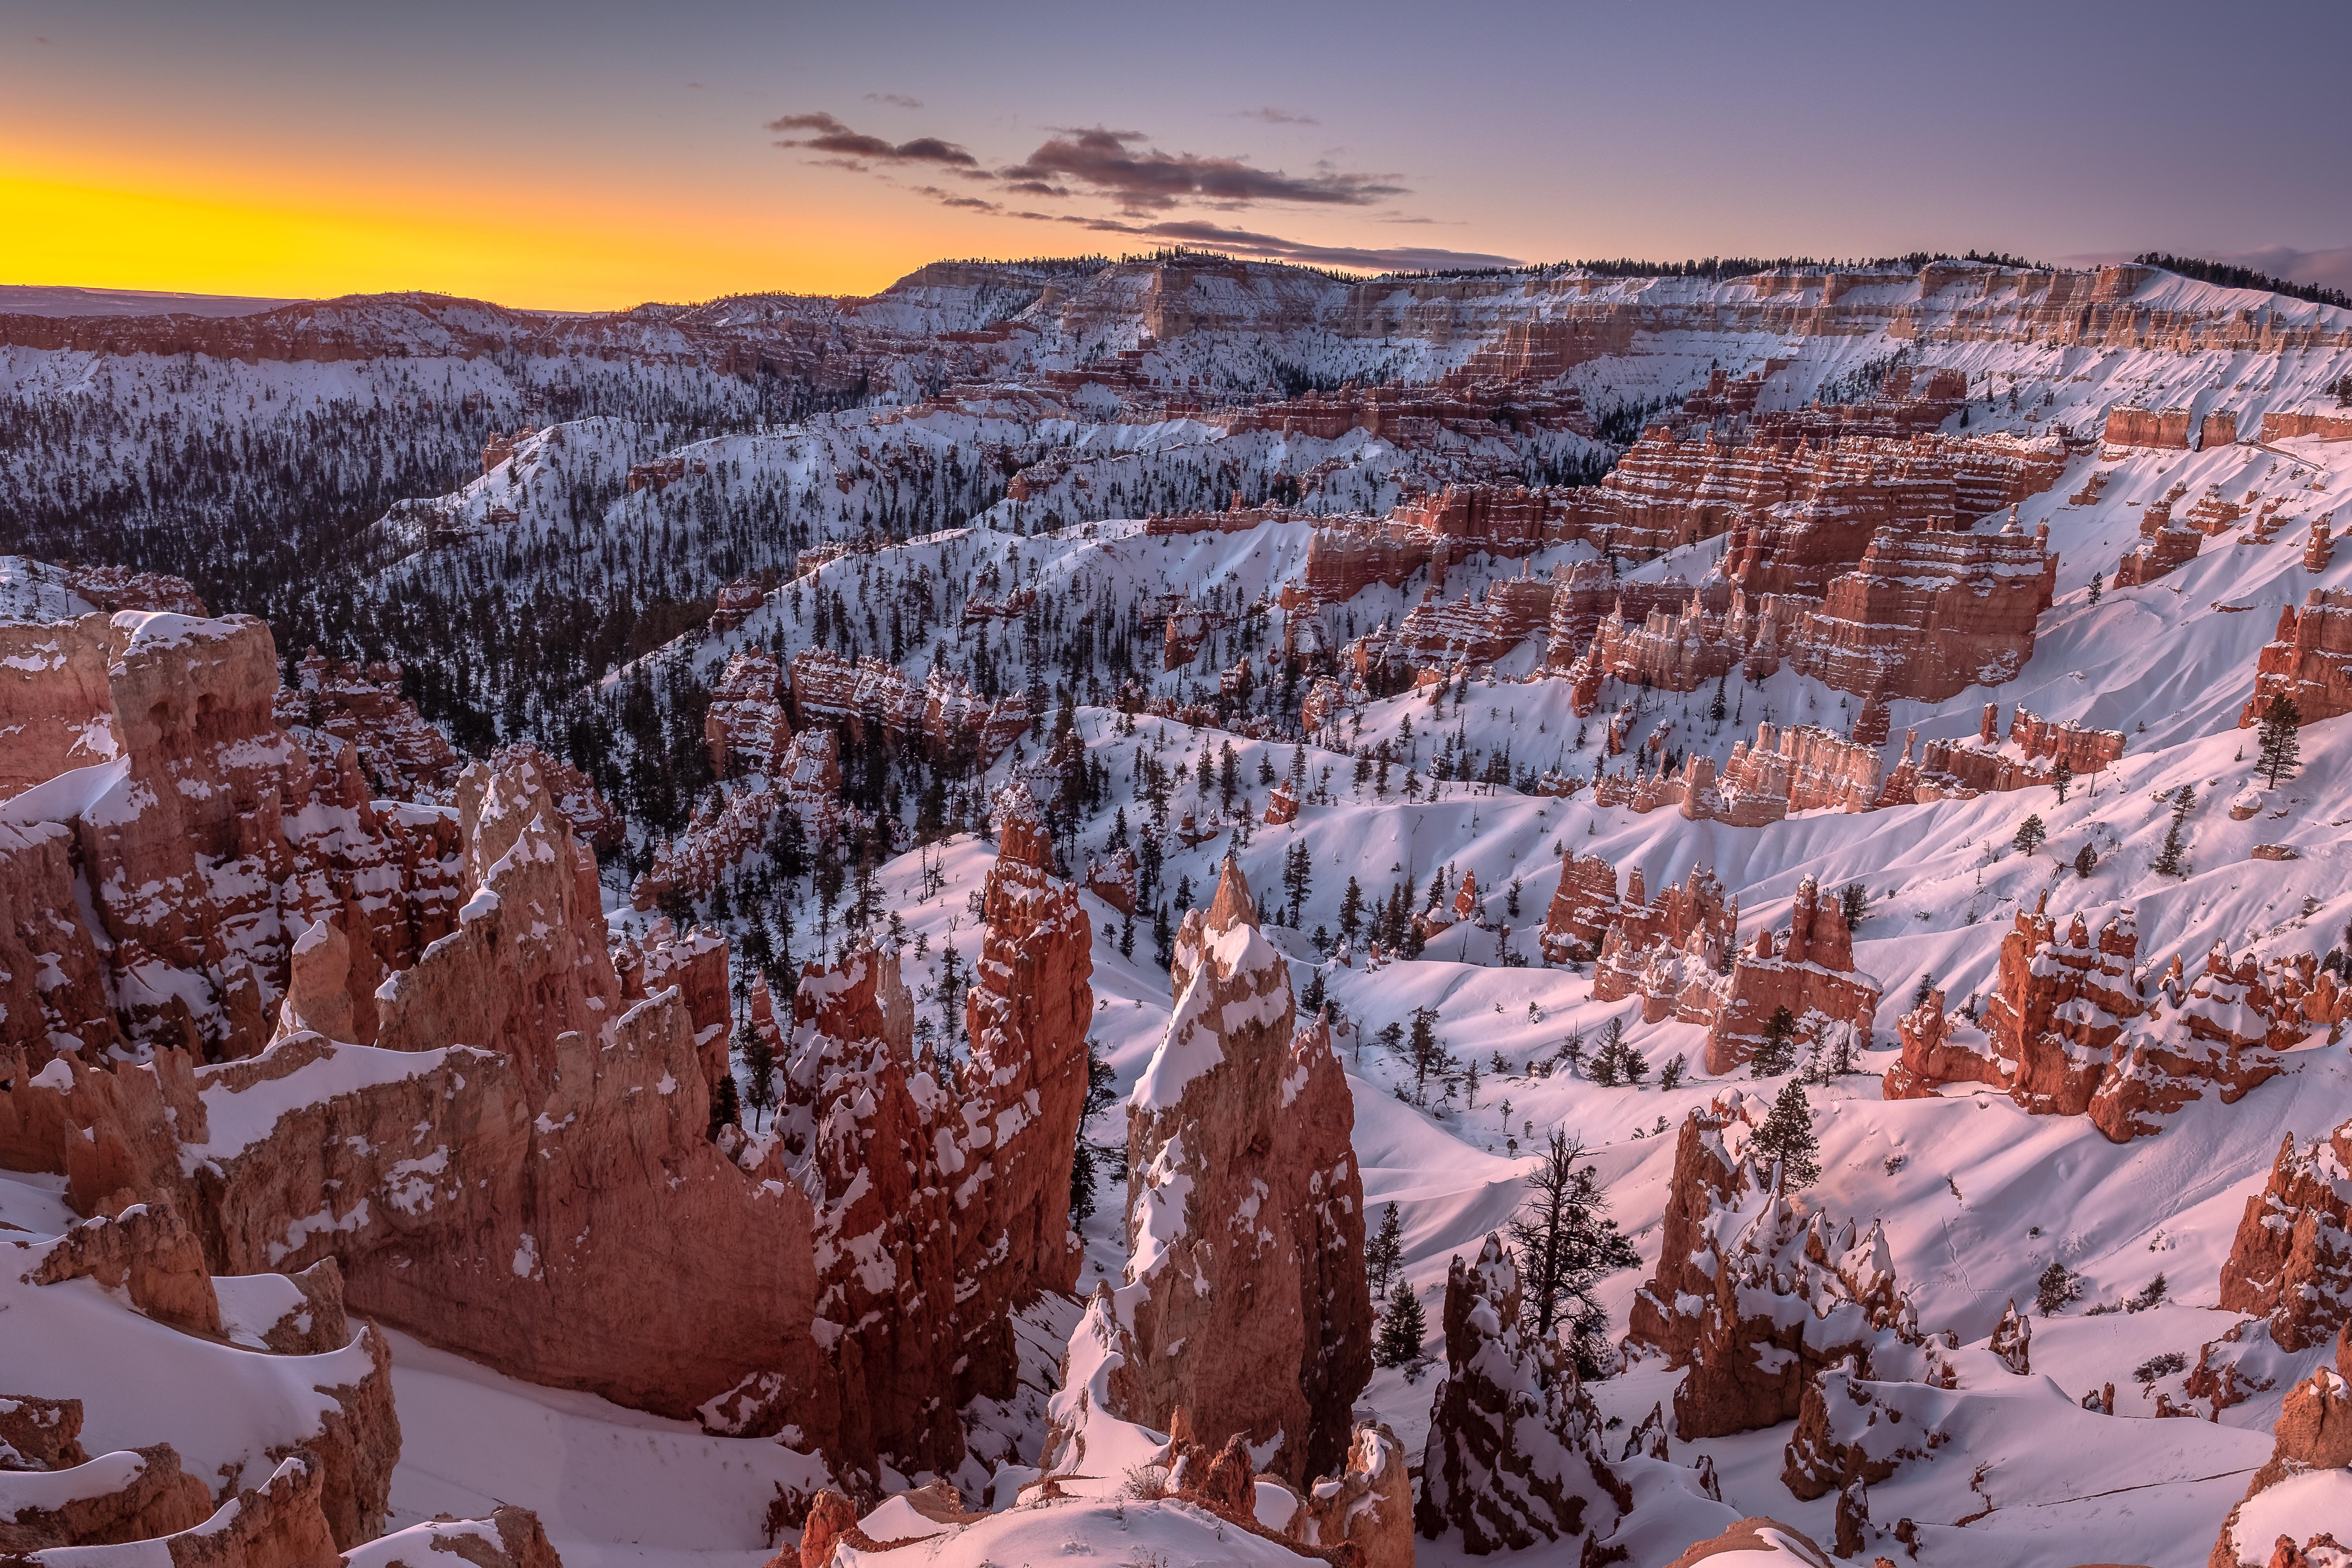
(824, 133)
(1274, 115)
(1121, 169)
(896, 100)
(1140, 179)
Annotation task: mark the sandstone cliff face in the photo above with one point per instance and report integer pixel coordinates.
(1810, 971)
(335, 703)
(519, 1170)
(1514, 1446)
(939, 1206)
(1247, 1301)
(2292, 1260)
(206, 847)
(2310, 661)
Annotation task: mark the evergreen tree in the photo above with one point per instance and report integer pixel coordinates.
(1854, 902)
(1088, 1157)
(2279, 753)
(2057, 1286)
(1787, 1136)
(1776, 1052)
(1351, 910)
(2061, 776)
(759, 1072)
(726, 1111)
(2029, 834)
(1403, 1327)
(2095, 588)
(1424, 1053)
(1567, 1244)
(1384, 1252)
(2167, 859)
(2086, 860)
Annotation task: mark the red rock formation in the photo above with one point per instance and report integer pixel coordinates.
(1956, 770)
(1810, 971)
(1763, 1304)
(1112, 878)
(1670, 952)
(135, 1495)
(1281, 805)
(2305, 1478)
(1515, 1453)
(1582, 910)
(943, 712)
(2291, 1262)
(1762, 1540)
(728, 825)
(38, 1433)
(2163, 548)
(2070, 1029)
(1246, 1295)
(1367, 1505)
(336, 704)
(566, 1141)
(745, 729)
(2310, 660)
(208, 845)
(695, 961)
(1926, 615)
(1415, 417)
(1666, 1313)
(737, 603)
(2287, 426)
(2128, 427)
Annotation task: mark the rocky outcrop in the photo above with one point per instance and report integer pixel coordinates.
(1515, 1452)
(694, 961)
(1367, 1505)
(1957, 769)
(874, 694)
(565, 1141)
(745, 729)
(334, 703)
(38, 1433)
(939, 1205)
(2291, 1262)
(208, 844)
(1757, 1542)
(728, 825)
(2292, 1500)
(2309, 662)
(135, 1495)
(2072, 1027)
(1926, 615)
(1708, 1178)
(1244, 1214)
(2165, 428)
(1809, 970)
(1754, 1296)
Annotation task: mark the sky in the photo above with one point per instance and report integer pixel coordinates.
(594, 155)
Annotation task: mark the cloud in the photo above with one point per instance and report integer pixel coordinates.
(827, 134)
(1142, 179)
(1255, 247)
(1273, 115)
(949, 199)
(896, 100)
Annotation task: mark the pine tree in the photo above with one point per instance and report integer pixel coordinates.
(2095, 588)
(2061, 776)
(1566, 1242)
(2279, 753)
(1351, 910)
(1776, 1052)
(759, 1071)
(2056, 1287)
(1101, 1095)
(1672, 1076)
(1384, 1252)
(2086, 860)
(1403, 1327)
(1854, 902)
(2029, 834)
(2167, 859)
(1787, 1136)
